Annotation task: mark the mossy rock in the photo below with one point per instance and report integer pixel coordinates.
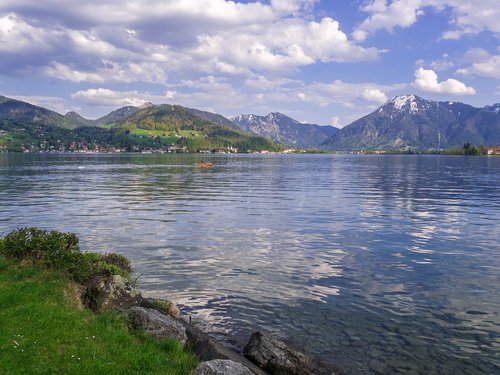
(165, 306)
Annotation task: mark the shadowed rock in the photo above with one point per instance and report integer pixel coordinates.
(277, 357)
(207, 348)
(157, 324)
(221, 367)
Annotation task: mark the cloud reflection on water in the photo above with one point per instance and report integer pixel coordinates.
(326, 249)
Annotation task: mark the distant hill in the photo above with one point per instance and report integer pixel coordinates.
(78, 119)
(284, 129)
(410, 121)
(32, 115)
(25, 126)
(187, 127)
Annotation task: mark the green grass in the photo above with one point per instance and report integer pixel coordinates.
(44, 331)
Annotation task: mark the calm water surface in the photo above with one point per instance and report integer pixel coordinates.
(377, 264)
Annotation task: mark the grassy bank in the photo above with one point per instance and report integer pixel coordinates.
(45, 330)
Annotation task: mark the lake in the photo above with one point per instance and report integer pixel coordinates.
(375, 264)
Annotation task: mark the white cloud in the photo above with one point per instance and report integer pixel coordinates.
(17, 35)
(387, 16)
(467, 17)
(109, 71)
(335, 121)
(282, 46)
(427, 81)
(470, 17)
(109, 98)
(139, 40)
(292, 6)
(64, 72)
(374, 95)
(486, 65)
(340, 93)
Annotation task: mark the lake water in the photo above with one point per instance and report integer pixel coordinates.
(376, 264)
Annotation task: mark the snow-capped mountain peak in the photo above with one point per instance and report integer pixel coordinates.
(408, 103)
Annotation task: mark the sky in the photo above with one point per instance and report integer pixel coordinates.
(327, 62)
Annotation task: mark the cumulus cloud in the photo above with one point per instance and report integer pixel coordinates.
(486, 65)
(335, 121)
(427, 81)
(148, 40)
(387, 16)
(109, 98)
(467, 17)
(340, 93)
(292, 6)
(374, 95)
(284, 45)
(470, 17)
(108, 71)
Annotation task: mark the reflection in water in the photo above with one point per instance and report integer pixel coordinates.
(378, 264)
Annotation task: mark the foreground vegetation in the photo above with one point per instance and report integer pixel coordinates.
(45, 330)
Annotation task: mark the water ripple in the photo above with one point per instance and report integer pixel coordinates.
(386, 262)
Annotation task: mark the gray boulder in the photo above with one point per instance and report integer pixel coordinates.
(113, 293)
(221, 367)
(277, 357)
(157, 324)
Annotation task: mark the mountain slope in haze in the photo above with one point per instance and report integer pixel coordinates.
(410, 121)
(214, 117)
(177, 124)
(80, 120)
(116, 115)
(32, 115)
(283, 129)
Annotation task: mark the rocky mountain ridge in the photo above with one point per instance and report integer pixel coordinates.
(284, 129)
(410, 121)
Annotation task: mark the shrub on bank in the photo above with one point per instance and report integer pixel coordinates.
(61, 251)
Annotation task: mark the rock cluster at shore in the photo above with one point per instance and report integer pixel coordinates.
(160, 319)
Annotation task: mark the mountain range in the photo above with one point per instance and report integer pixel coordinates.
(412, 122)
(403, 122)
(26, 126)
(283, 129)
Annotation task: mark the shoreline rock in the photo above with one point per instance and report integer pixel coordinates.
(221, 367)
(277, 357)
(161, 319)
(157, 324)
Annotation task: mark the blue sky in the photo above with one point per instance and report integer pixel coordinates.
(325, 62)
